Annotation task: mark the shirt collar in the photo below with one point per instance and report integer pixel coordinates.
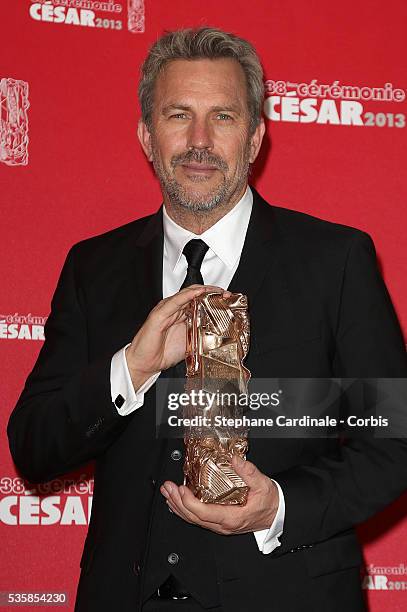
(225, 238)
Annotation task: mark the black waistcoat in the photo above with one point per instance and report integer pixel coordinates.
(174, 545)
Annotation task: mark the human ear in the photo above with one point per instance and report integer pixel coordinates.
(255, 140)
(144, 137)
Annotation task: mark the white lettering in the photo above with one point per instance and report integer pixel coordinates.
(37, 332)
(88, 18)
(328, 113)
(72, 17)
(35, 11)
(342, 112)
(368, 582)
(270, 108)
(29, 510)
(59, 14)
(50, 507)
(50, 510)
(310, 113)
(381, 583)
(351, 113)
(6, 516)
(73, 512)
(47, 12)
(24, 333)
(13, 331)
(289, 109)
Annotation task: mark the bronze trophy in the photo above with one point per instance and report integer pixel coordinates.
(218, 336)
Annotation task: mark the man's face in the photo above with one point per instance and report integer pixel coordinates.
(199, 139)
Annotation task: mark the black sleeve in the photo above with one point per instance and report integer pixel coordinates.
(335, 493)
(64, 416)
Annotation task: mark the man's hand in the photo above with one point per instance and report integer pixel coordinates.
(161, 341)
(257, 514)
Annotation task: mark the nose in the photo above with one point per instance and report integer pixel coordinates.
(200, 134)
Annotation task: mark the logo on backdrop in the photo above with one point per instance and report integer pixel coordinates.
(109, 15)
(334, 104)
(135, 16)
(63, 502)
(13, 122)
(385, 578)
(22, 327)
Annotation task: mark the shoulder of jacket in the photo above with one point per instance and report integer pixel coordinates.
(111, 239)
(307, 229)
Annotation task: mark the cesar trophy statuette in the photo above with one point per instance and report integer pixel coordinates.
(218, 336)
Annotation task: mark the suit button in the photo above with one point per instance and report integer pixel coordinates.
(153, 481)
(173, 558)
(136, 568)
(176, 455)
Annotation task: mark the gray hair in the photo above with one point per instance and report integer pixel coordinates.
(202, 43)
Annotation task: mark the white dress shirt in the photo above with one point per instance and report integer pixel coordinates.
(225, 240)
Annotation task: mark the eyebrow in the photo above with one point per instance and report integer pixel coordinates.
(216, 109)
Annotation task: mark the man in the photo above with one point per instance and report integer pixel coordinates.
(318, 308)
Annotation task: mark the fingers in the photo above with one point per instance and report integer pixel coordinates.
(173, 508)
(206, 287)
(208, 513)
(203, 289)
(169, 306)
(176, 504)
(211, 516)
(249, 473)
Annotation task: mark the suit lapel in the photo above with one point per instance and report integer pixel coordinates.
(149, 262)
(259, 250)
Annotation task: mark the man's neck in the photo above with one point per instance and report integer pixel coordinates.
(198, 222)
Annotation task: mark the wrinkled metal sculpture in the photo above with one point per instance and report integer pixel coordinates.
(14, 105)
(218, 335)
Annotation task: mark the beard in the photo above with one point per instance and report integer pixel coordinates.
(194, 200)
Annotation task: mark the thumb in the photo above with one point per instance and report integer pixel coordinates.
(247, 471)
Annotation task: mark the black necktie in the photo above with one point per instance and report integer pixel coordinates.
(194, 252)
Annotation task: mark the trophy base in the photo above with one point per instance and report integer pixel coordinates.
(219, 484)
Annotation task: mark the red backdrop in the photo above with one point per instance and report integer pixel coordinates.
(71, 167)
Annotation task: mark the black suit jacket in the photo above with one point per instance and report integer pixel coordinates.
(318, 308)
